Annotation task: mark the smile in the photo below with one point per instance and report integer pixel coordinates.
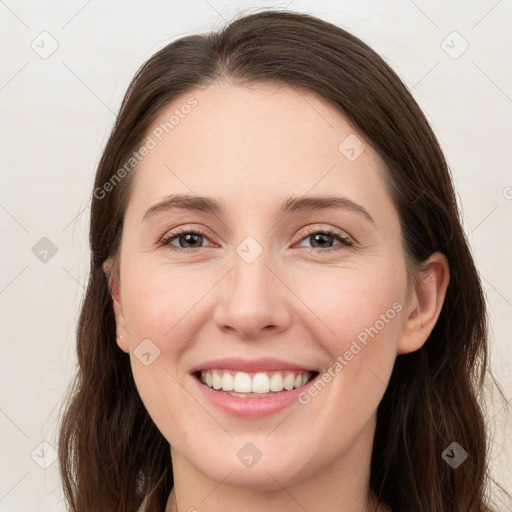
(254, 384)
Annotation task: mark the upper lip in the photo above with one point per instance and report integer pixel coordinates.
(263, 364)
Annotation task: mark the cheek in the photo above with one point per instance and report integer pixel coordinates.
(157, 307)
(337, 304)
(156, 300)
(361, 316)
(354, 305)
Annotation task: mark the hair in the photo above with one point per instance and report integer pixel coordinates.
(112, 457)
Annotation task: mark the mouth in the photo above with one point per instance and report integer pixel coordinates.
(254, 384)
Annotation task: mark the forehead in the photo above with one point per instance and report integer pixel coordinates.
(243, 143)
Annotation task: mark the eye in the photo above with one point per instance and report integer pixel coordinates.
(187, 240)
(320, 238)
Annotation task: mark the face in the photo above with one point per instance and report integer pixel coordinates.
(267, 290)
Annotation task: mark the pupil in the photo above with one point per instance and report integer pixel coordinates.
(322, 236)
(188, 237)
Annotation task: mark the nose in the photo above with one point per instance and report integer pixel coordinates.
(253, 301)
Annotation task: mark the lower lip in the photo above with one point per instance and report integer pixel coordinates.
(252, 407)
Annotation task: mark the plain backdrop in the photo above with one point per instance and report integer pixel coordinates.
(65, 67)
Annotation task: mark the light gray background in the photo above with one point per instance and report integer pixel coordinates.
(58, 109)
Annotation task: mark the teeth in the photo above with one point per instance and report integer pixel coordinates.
(216, 380)
(242, 383)
(289, 381)
(276, 382)
(228, 382)
(258, 383)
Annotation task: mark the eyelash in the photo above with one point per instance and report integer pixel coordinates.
(344, 240)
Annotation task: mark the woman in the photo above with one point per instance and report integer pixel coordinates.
(224, 363)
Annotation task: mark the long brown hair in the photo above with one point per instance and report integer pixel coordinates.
(112, 456)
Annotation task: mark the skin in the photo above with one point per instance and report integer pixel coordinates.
(252, 148)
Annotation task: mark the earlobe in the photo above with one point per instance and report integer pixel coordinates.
(112, 276)
(425, 304)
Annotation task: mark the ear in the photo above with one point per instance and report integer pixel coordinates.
(112, 273)
(424, 304)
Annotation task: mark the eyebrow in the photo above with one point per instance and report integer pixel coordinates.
(291, 205)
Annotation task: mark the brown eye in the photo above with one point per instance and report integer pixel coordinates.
(185, 240)
(324, 239)
(190, 239)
